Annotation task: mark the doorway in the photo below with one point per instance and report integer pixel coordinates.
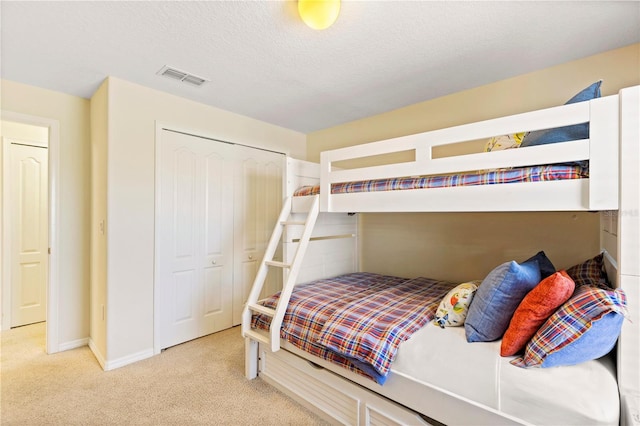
(29, 267)
(27, 208)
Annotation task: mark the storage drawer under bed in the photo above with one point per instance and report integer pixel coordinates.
(330, 396)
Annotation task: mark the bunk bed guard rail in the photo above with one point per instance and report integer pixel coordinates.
(601, 150)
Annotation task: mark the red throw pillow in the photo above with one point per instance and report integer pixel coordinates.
(534, 310)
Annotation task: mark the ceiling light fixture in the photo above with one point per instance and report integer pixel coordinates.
(319, 14)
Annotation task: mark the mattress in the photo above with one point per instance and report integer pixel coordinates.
(501, 176)
(583, 394)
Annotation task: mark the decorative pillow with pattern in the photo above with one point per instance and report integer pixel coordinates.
(586, 327)
(498, 143)
(453, 309)
(590, 272)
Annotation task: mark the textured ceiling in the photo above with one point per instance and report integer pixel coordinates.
(263, 62)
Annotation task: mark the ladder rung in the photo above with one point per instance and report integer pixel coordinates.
(257, 336)
(277, 264)
(262, 309)
(292, 222)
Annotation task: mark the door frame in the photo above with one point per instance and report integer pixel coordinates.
(53, 126)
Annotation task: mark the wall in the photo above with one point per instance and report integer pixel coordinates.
(132, 115)
(27, 132)
(98, 301)
(72, 113)
(453, 246)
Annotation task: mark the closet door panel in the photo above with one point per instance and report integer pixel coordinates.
(218, 204)
(183, 203)
(245, 273)
(218, 239)
(247, 252)
(182, 312)
(214, 296)
(215, 214)
(249, 203)
(258, 198)
(195, 241)
(179, 244)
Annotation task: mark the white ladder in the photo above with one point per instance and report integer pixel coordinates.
(277, 314)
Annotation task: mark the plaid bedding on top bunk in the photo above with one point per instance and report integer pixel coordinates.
(357, 320)
(515, 175)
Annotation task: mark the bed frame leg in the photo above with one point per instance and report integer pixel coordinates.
(250, 358)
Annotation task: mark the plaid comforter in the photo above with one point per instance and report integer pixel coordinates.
(358, 320)
(514, 175)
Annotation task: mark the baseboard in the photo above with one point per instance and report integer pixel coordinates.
(129, 359)
(97, 354)
(73, 344)
(120, 362)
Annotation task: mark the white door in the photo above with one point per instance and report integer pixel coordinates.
(29, 239)
(258, 200)
(195, 251)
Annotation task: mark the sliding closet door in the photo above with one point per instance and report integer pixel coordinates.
(195, 246)
(258, 200)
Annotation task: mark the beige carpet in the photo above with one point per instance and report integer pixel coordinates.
(198, 382)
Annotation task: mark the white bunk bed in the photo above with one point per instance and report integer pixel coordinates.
(410, 397)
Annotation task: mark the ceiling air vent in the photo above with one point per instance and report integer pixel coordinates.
(185, 77)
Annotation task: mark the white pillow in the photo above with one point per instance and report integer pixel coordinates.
(452, 310)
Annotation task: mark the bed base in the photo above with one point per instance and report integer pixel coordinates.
(353, 402)
(328, 396)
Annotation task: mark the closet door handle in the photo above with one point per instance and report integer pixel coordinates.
(250, 257)
(213, 262)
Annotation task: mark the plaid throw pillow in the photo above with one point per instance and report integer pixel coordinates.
(586, 327)
(590, 272)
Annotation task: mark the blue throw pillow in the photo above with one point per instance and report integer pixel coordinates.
(566, 133)
(585, 327)
(497, 299)
(595, 343)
